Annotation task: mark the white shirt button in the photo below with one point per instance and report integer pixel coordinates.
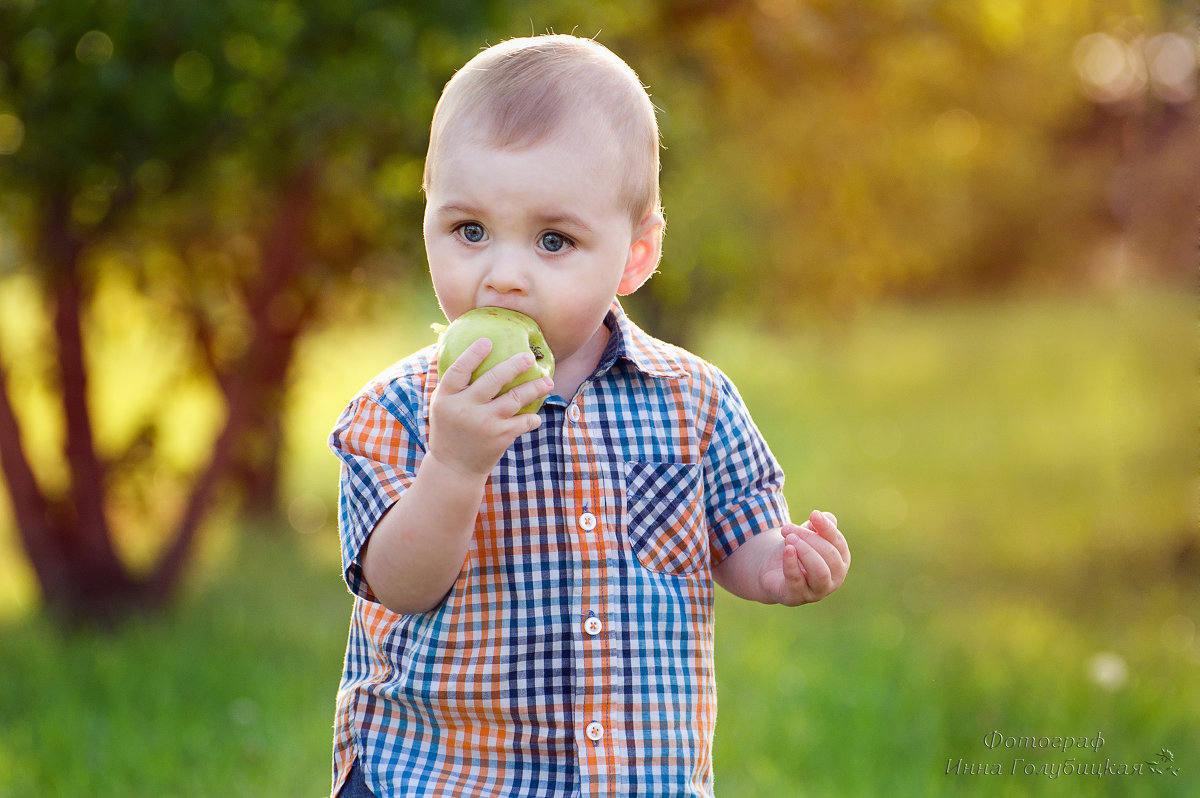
(573, 412)
(587, 522)
(593, 625)
(594, 731)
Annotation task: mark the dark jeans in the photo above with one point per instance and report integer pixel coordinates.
(356, 785)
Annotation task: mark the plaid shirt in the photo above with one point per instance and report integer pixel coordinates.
(574, 653)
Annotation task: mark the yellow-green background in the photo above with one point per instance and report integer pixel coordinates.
(956, 293)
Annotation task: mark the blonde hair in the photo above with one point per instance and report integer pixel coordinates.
(520, 92)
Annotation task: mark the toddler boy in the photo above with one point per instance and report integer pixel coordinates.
(533, 610)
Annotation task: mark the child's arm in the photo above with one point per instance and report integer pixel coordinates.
(417, 549)
(793, 565)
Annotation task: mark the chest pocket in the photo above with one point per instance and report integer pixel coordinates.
(664, 516)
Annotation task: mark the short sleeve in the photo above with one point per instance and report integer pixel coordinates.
(743, 481)
(379, 459)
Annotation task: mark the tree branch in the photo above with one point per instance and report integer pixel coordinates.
(89, 535)
(31, 509)
(264, 357)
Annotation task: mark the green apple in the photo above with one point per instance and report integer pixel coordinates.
(510, 333)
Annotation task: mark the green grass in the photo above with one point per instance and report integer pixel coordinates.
(1018, 483)
(231, 694)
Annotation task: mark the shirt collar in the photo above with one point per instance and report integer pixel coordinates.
(630, 343)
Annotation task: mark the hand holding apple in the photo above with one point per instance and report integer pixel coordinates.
(510, 332)
(477, 410)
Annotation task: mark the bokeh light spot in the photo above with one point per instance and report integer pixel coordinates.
(153, 176)
(94, 47)
(244, 52)
(193, 74)
(307, 513)
(1171, 61)
(1108, 671)
(12, 134)
(1108, 68)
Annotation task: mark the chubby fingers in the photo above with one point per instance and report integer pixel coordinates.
(825, 525)
(815, 555)
(527, 392)
(458, 375)
(793, 570)
(490, 384)
(493, 383)
(807, 565)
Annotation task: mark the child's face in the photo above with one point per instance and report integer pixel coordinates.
(541, 229)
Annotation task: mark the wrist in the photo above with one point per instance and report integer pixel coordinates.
(742, 572)
(459, 474)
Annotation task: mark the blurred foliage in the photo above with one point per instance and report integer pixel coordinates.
(183, 126)
(238, 159)
(821, 154)
(842, 150)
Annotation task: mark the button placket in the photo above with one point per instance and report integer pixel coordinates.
(594, 670)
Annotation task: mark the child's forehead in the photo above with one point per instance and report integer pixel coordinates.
(583, 132)
(565, 170)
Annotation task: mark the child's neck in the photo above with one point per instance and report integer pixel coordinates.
(570, 372)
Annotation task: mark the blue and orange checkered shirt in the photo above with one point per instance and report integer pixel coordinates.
(574, 653)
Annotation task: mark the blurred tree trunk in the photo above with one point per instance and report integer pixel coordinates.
(100, 580)
(68, 538)
(279, 304)
(287, 116)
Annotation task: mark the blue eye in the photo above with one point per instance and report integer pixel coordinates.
(554, 242)
(472, 232)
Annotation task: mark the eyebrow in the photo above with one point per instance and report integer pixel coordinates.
(452, 209)
(559, 219)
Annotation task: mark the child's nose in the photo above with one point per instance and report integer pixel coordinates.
(506, 271)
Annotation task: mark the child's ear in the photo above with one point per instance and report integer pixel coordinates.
(644, 253)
